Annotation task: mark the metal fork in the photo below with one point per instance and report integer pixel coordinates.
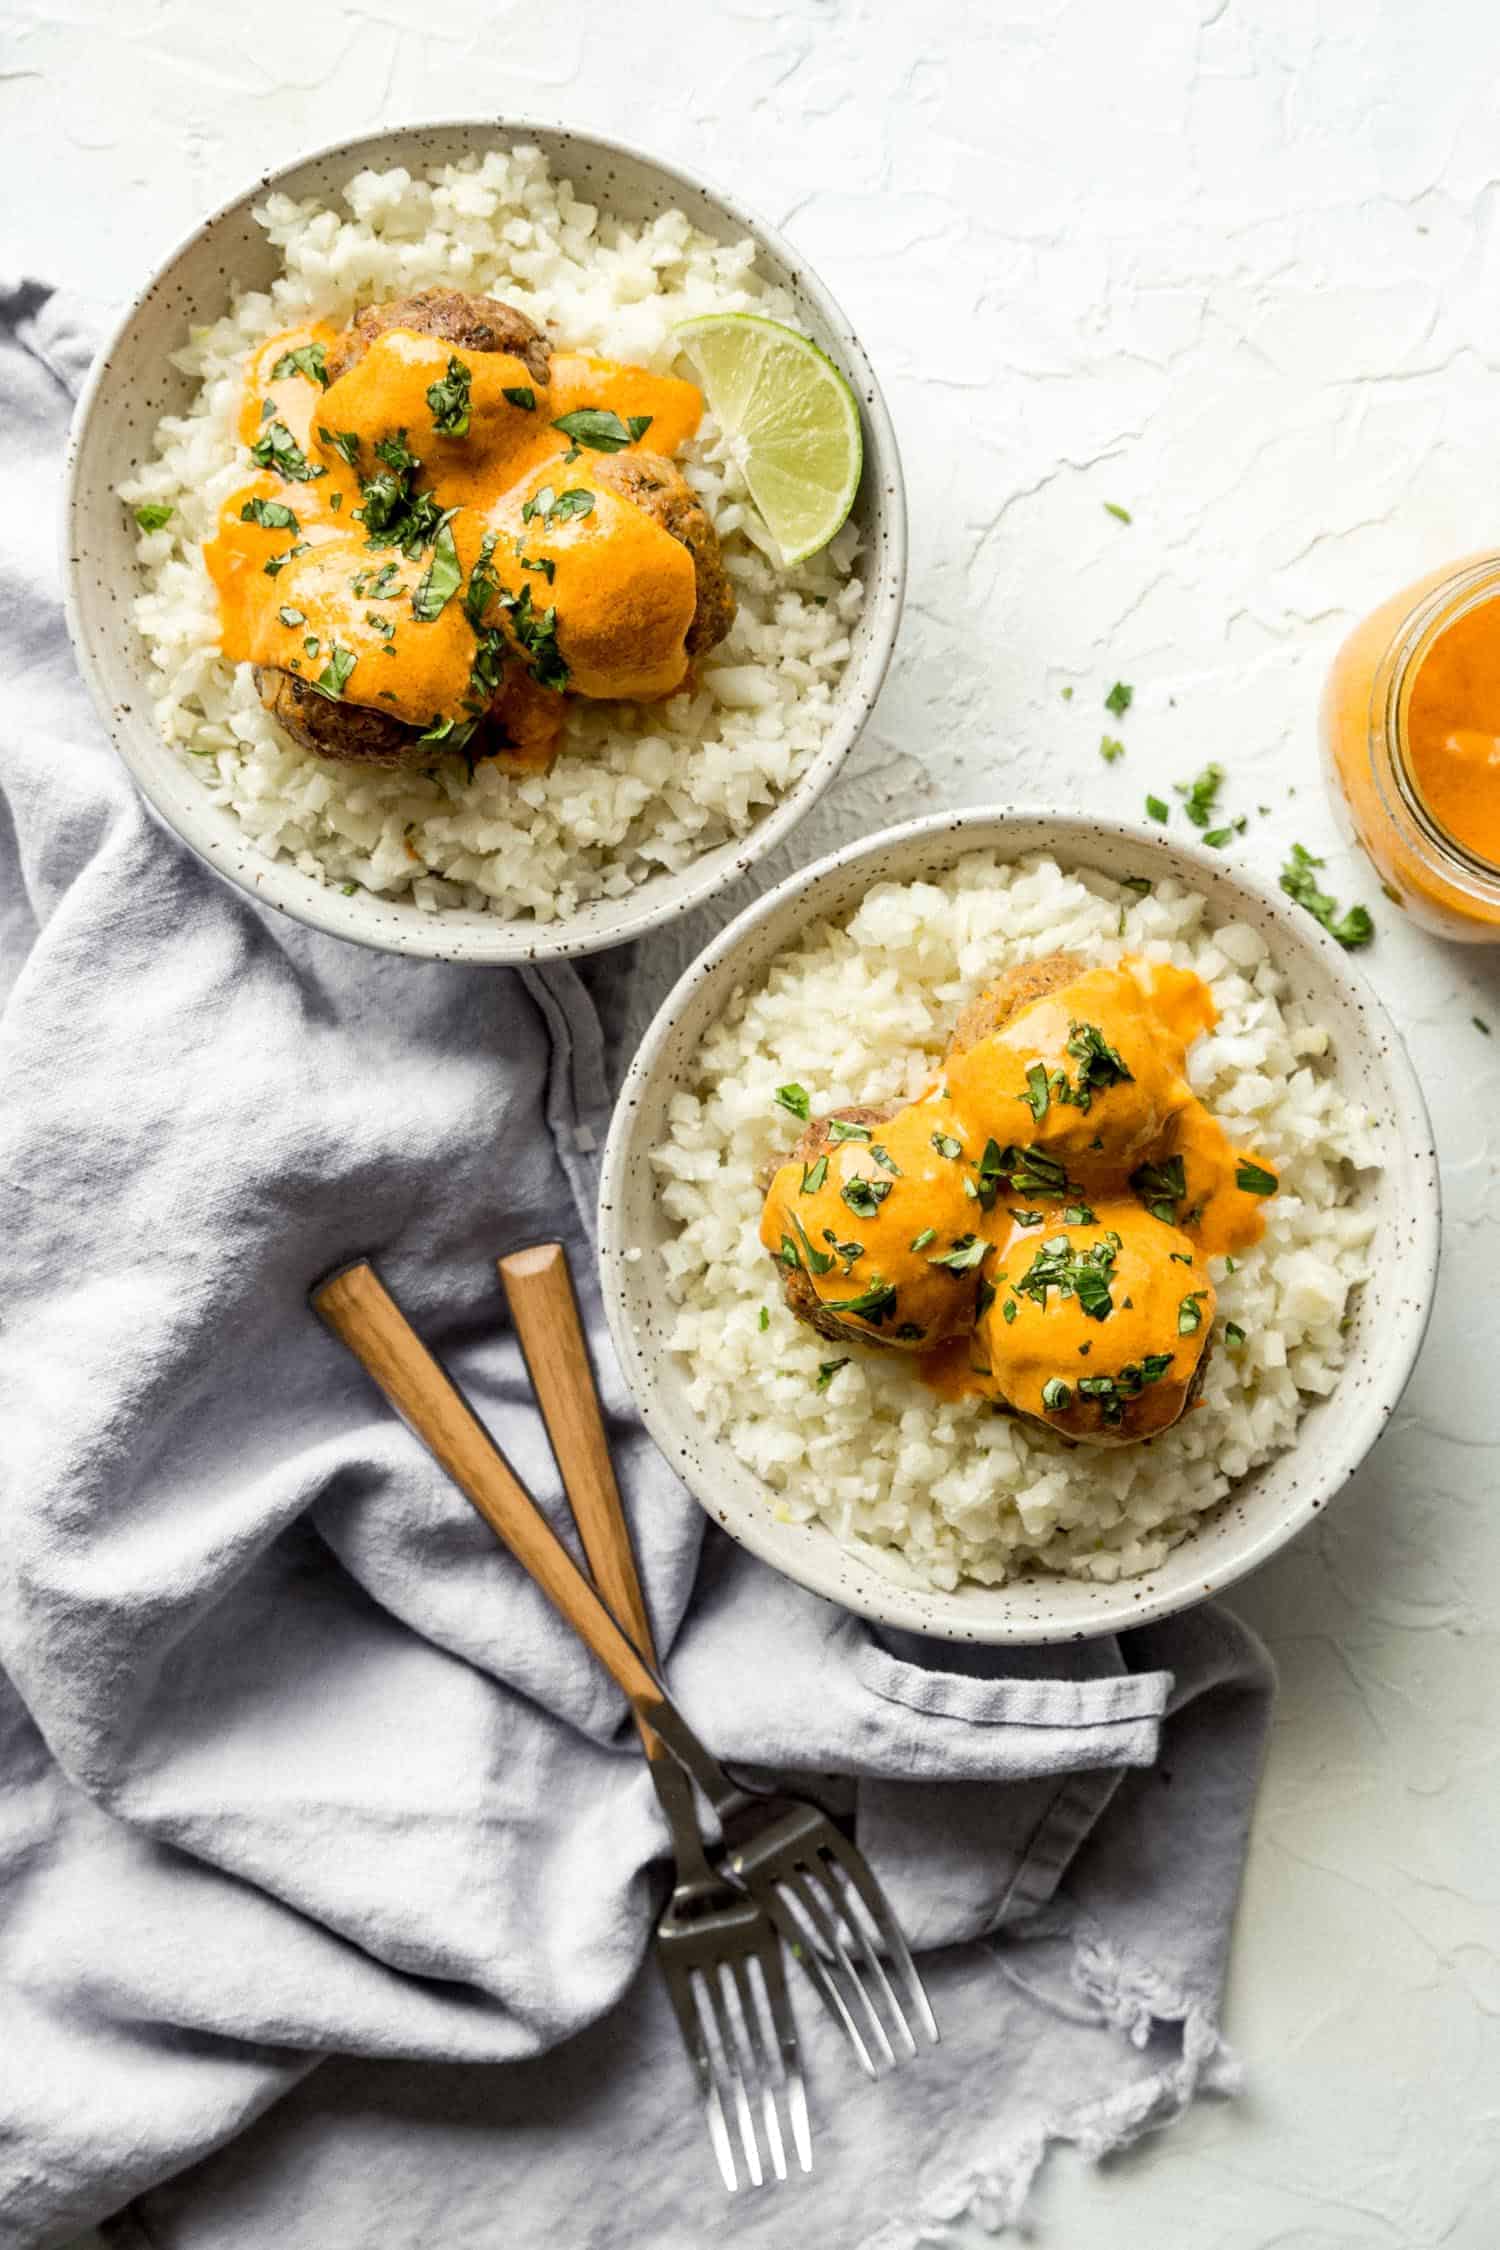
(811, 1879)
(719, 1951)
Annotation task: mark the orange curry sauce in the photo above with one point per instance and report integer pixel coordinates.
(1071, 1136)
(591, 592)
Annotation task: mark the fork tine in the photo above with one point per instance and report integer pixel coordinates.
(680, 1991)
(858, 1873)
(869, 1955)
(826, 1926)
(711, 1990)
(808, 1957)
(766, 2064)
(773, 1976)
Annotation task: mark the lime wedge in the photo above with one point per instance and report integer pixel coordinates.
(794, 420)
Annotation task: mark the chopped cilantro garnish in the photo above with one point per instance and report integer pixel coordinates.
(271, 515)
(1233, 1333)
(1159, 809)
(1121, 515)
(765, 1319)
(601, 429)
(1056, 1396)
(1161, 1187)
(151, 515)
(1110, 749)
(1254, 1178)
(967, 1252)
(874, 1303)
(1119, 699)
(1084, 1275)
(1480, 1025)
(845, 1129)
(449, 400)
(1352, 929)
(345, 443)
(947, 1146)
(291, 616)
(306, 359)
(920, 1241)
(883, 1156)
(813, 1176)
(794, 1099)
(277, 449)
(1199, 796)
(864, 1197)
(828, 1370)
(334, 677)
(1036, 1097)
(1140, 884)
(441, 579)
(1190, 1314)
(522, 395)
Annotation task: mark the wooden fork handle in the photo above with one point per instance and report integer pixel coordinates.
(360, 1310)
(539, 1291)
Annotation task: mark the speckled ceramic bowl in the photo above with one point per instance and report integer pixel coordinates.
(1265, 1509)
(133, 384)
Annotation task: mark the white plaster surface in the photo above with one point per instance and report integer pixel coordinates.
(1236, 267)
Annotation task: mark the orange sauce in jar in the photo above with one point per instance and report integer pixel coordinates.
(1411, 736)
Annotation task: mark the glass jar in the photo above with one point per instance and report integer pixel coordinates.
(1440, 879)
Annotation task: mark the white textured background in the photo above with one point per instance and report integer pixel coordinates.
(1236, 267)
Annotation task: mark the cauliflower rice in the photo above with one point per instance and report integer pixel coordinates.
(638, 788)
(860, 1012)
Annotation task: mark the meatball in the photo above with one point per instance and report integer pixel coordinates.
(350, 732)
(796, 1286)
(520, 731)
(1017, 989)
(664, 494)
(477, 324)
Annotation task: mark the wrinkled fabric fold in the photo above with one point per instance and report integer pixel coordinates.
(322, 1845)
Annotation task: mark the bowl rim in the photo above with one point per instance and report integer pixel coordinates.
(930, 1611)
(513, 942)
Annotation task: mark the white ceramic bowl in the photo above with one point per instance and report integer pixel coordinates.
(133, 384)
(1265, 1509)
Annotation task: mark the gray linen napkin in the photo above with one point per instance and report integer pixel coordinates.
(295, 1765)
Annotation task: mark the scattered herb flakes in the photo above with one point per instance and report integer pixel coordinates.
(335, 675)
(813, 1176)
(1161, 1186)
(449, 400)
(522, 395)
(1254, 1178)
(1067, 694)
(1140, 884)
(845, 1129)
(1158, 809)
(1119, 699)
(441, 579)
(884, 1157)
(1352, 929)
(1480, 1025)
(1079, 1215)
(765, 1319)
(1234, 1335)
(1190, 1314)
(920, 1241)
(153, 515)
(1056, 1396)
(536, 632)
(864, 1197)
(576, 501)
(828, 1370)
(601, 429)
(1008, 1311)
(947, 1146)
(1110, 748)
(271, 515)
(348, 889)
(1028, 1218)
(277, 449)
(1121, 515)
(310, 645)
(1199, 796)
(290, 616)
(306, 359)
(1099, 1064)
(794, 1098)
